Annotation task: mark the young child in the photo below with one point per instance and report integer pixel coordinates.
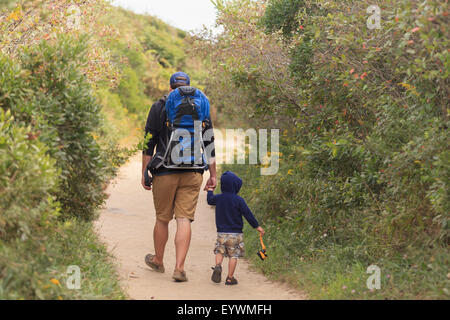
(229, 211)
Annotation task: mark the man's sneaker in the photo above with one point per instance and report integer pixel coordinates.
(217, 274)
(179, 276)
(149, 261)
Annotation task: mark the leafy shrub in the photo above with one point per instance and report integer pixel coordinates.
(364, 169)
(60, 120)
(37, 268)
(27, 176)
(131, 92)
(148, 51)
(51, 93)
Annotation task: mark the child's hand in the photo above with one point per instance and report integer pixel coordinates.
(261, 230)
(210, 189)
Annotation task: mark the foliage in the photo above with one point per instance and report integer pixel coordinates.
(35, 248)
(37, 268)
(33, 21)
(147, 52)
(28, 174)
(58, 101)
(283, 15)
(69, 104)
(364, 151)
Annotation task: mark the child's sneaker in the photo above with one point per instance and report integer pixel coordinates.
(217, 274)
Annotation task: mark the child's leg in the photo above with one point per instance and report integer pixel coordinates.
(232, 263)
(217, 273)
(219, 259)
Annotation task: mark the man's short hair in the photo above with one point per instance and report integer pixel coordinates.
(177, 85)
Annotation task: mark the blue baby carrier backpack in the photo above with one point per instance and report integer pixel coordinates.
(187, 112)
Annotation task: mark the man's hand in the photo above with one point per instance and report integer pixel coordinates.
(211, 184)
(143, 184)
(260, 230)
(145, 161)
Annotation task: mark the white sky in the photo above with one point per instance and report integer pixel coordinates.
(188, 15)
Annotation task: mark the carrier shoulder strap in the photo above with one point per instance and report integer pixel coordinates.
(163, 121)
(163, 114)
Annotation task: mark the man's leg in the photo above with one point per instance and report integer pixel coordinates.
(184, 208)
(182, 242)
(164, 189)
(160, 237)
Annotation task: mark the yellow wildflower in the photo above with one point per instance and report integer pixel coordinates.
(14, 16)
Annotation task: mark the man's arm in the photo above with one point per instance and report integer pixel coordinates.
(151, 128)
(212, 181)
(145, 161)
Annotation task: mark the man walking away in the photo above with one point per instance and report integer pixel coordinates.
(175, 191)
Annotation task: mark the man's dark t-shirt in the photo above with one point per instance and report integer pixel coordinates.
(156, 126)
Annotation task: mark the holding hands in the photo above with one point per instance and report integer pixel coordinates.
(211, 184)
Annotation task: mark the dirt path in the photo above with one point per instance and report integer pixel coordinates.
(126, 226)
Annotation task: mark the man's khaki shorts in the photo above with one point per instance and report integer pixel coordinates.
(176, 195)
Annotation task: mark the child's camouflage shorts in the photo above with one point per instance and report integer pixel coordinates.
(230, 245)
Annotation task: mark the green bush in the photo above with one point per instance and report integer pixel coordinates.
(59, 134)
(27, 176)
(69, 112)
(364, 170)
(131, 92)
(38, 268)
(55, 161)
(147, 52)
(49, 93)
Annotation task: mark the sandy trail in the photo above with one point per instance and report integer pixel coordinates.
(126, 226)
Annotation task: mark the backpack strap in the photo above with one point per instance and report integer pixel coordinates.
(163, 114)
(163, 121)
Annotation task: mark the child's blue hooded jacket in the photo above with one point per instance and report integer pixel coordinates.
(229, 206)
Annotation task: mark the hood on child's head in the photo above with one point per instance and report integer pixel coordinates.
(230, 182)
